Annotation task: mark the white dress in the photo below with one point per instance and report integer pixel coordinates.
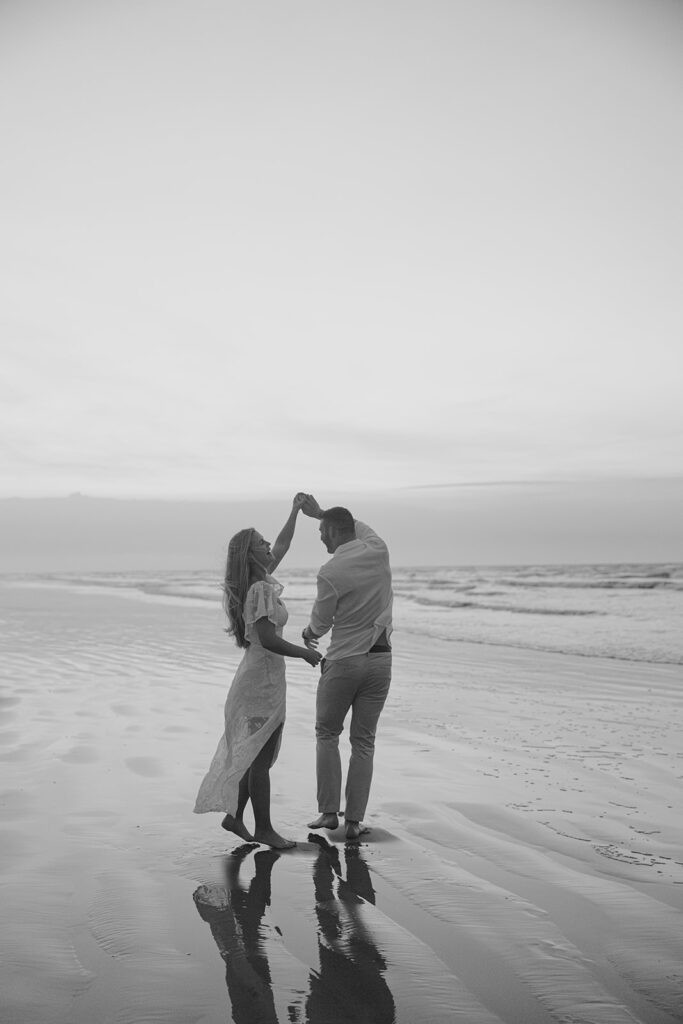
(255, 705)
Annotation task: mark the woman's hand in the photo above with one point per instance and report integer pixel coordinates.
(299, 500)
(312, 657)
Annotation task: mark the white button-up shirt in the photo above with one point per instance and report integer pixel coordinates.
(354, 595)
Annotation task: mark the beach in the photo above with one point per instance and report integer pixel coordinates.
(524, 864)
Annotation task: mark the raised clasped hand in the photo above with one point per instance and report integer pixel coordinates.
(310, 506)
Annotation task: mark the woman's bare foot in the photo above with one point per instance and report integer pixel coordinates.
(330, 821)
(354, 829)
(269, 837)
(236, 825)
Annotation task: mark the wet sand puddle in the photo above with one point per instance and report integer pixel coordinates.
(303, 940)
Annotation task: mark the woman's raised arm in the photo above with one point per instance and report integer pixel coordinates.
(284, 537)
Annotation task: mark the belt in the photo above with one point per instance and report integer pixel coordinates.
(380, 649)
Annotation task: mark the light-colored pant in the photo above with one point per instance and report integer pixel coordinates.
(361, 683)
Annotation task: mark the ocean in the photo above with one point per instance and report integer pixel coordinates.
(626, 611)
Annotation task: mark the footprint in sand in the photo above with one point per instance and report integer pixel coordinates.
(147, 766)
(128, 710)
(15, 805)
(17, 754)
(81, 754)
(14, 847)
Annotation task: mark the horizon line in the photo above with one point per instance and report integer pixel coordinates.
(372, 493)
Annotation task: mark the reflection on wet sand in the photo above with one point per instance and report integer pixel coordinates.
(346, 985)
(351, 966)
(234, 915)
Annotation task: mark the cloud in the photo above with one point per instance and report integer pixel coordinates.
(486, 483)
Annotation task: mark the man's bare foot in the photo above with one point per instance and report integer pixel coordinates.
(236, 825)
(269, 837)
(354, 829)
(330, 821)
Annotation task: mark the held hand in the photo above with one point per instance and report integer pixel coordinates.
(299, 500)
(310, 507)
(313, 658)
(309, 639)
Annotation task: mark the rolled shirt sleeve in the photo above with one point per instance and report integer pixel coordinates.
(322, 614)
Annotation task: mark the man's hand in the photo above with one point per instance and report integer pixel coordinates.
(310, 507)
(309, 638)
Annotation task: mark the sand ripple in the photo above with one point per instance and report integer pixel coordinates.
(525, 909)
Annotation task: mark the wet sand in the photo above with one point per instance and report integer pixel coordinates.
(524, 865)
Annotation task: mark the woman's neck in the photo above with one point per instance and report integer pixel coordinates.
(256, 573)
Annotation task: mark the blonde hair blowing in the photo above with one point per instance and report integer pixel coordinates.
(236, 583)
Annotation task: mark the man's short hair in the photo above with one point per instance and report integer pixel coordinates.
(339, 517)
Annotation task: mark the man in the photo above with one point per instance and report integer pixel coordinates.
(354, 601)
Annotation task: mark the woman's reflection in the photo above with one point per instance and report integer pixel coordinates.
(234, 915)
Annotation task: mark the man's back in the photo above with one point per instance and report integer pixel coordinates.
(354, 595)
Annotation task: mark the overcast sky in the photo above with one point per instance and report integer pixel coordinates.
(252, 247)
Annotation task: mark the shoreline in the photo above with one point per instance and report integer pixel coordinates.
(136, 594)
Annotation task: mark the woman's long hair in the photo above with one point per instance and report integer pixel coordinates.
(236, 583)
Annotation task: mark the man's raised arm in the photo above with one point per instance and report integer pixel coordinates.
(310, 507)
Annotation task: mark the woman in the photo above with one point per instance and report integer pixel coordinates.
(255, 707)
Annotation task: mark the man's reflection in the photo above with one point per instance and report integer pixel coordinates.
(234, 915)
(351, 966)
(357, 874)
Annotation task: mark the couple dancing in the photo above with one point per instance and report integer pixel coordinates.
(354, 600)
